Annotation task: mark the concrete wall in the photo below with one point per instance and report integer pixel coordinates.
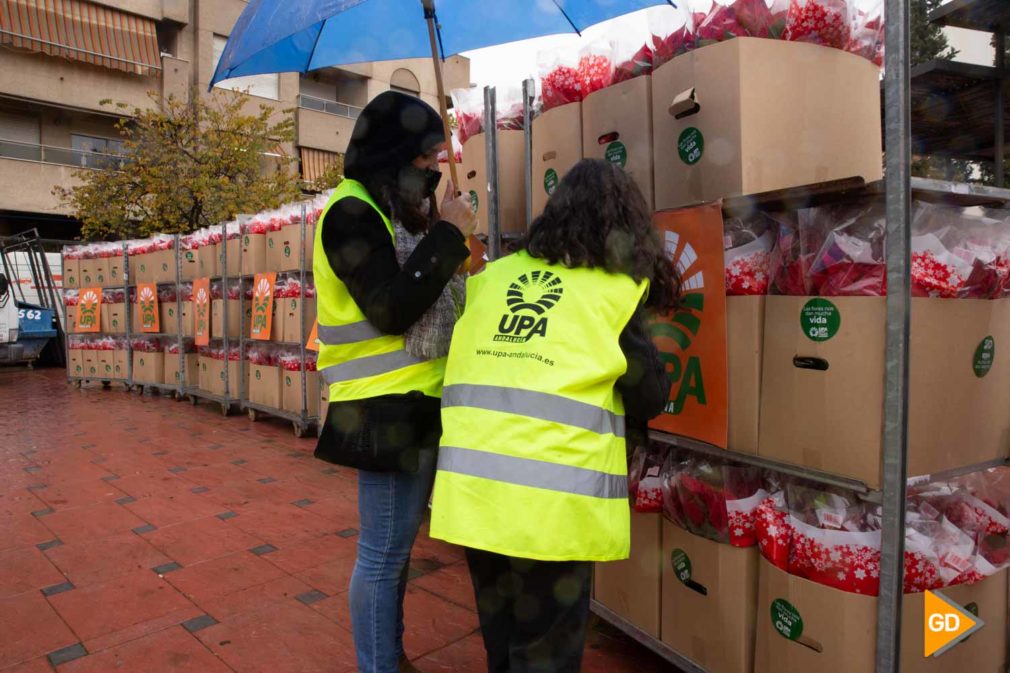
(33, 184)
(324, 131)
(152, 9)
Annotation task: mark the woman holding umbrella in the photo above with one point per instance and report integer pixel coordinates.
(385, 266)
(550, 355)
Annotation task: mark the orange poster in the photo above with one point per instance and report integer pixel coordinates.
(313, 344)
(201, 306)
(692, 341)
(147, 304)
(478, 255)
(262, 306)
(89, 310)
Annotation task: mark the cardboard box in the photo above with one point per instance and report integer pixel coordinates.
(75, 363)
(212, 373)
(631, 588)
(114, 318)
(291, 392)
(206, 259)
(189, 266)
(294, 315)
(87, 274)
(106, 365)
(843, 627)
(234, 249)
(121, 363)
(71, 319)
(142, 268)
(254, 253)
(90, 360)
(172, 369)
(217, 318)
(282, 248)
(148, 367)
(71, 273)
(100, 271)
(709, 611)
(114, 277)
(511, 180)
(617, 126)
(170, 315)
(188, 318)
(265, 385)
(557, 146)
(744, 345)
(164, 263)
(822, 400)
(757, 115)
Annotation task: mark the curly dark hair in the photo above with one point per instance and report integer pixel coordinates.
(400, 203)
(598, 218)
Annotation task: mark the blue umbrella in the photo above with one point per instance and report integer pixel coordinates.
(303, 35)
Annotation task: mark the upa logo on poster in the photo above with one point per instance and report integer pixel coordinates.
(692, 339)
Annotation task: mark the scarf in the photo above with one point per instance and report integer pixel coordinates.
(429, 337)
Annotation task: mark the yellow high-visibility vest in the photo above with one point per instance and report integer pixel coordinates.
(532, 461)
(356, 360)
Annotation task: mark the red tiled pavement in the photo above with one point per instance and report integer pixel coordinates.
(115, 462)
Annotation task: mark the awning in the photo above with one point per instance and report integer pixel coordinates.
(316, 162)
(81, 31)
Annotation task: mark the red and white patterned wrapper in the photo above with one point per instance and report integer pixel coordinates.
(748, 267)
(742, 516)
(823, 22)
(774, 530)
(596, 67)
(849, 561)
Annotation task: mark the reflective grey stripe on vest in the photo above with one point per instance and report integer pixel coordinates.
(543, 406)
(373, 365)
(532, 473)
(339, 335)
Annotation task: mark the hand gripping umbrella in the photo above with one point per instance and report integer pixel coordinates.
(304, 35)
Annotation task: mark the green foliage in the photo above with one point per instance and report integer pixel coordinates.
(928, 41)
(188, 164)
(332, 177)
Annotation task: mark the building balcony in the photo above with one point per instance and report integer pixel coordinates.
(63, 156)
(32, 180)
(325, 124)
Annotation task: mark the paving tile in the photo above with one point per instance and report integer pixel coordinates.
(74, 494)
(224, 516)
(22, 530)
(282, 524)
(137, 597)
(276, 592)
(146, 528)
(30, 628)
(40, 665)
(142, 629)
(223, 576)
(96, 561)
(24, 570)
(310, 597)
(171, 649)
(263, 549)
(332, 577)
(67, 654)
(466, 655)
(451, 583)
(199, 623)
(288, 638)
(166, 568)
(42, 512)
(306, 554)
(201, 540)
(167, 510)
(57, 589)
(92, 522)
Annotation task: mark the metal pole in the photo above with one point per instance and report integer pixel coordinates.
(224, 280)
(898, 131)
(529, 95)
(178, 311)
(301, 318)
(491, 164)
(129, 315)
(1000, 141)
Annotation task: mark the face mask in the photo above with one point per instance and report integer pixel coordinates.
(419, 183)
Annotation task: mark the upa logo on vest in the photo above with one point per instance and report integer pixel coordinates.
(529, 298)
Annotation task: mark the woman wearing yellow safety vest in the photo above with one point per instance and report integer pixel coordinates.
(550, 354)
(388, 293)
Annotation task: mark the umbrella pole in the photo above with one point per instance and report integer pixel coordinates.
(429, 15)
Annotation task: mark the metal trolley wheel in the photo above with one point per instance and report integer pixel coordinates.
(253, 415)
(225, 409)
(300, 430)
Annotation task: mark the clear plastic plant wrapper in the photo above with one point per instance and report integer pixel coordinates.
(748, 245)
(596, 67)
(847, 242)
(291, 361)
(718, 499)
(715, 21)
(672, 31)
(867, 35)
(633, 50)
(646, 485)
(823, 22)
(560, 81)
(468, 105)
(788, 266)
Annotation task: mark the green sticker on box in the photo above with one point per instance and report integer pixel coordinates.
(287, 250)
(786, 619)
(550, 181)
(259, 375)
(820, 319)
(617, 154)
(474, 201)
(691, 146)
(270, 243)
(681, 565)
(190, 256)
(984, 355)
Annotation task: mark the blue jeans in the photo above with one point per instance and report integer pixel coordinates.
(391, 506)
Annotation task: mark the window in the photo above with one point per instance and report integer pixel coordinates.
(95, 151)
(20, 136)
(264, 86)
(405, 81)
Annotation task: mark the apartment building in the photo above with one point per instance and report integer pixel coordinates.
(60, 60)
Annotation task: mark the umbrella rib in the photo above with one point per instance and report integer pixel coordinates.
(567, 18)
(308, 63)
